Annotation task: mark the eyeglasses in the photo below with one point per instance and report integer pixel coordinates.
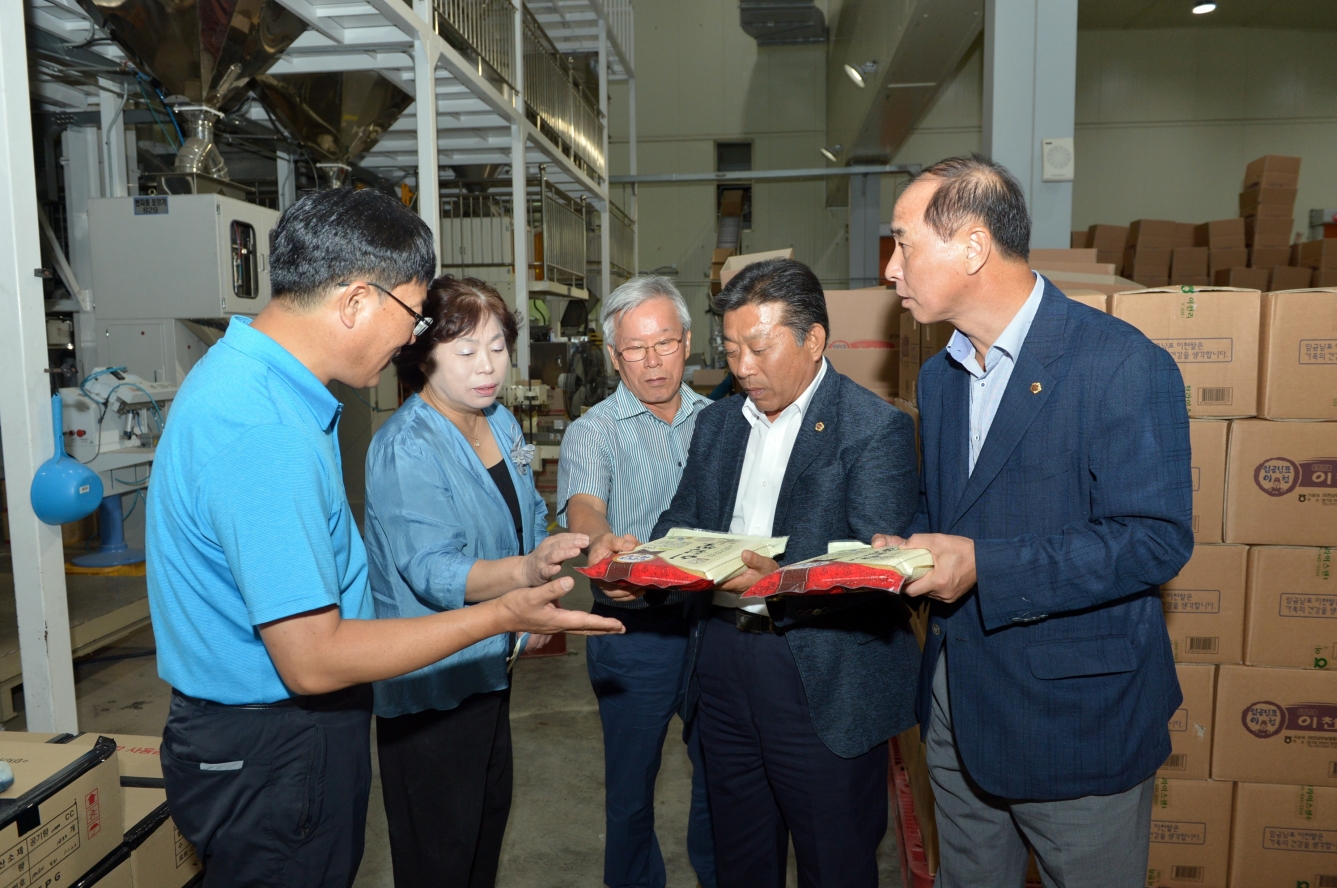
(663, 348)
(423, 322)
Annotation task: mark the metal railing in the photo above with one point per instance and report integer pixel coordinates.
(558, 104)
(621, 242)
(621, 28)
(477, 232)
(558, 223)
(482, 29)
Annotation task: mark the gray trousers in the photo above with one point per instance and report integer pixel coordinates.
(1090, 842)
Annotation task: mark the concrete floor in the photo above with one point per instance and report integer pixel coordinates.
(556, 831)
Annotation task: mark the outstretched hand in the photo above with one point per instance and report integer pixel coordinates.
(757, 567)
(545, 562)
(535, 610)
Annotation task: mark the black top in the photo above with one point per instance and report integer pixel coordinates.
(501, 476)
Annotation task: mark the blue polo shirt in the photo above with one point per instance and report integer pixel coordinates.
(247, 520)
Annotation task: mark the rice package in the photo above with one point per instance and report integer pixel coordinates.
(844, 568)
(687, 560)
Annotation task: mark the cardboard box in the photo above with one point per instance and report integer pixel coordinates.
(1275, 725)
(735, 264)
(1187, 262)
(1094, 298)
(1184, 234)
(1041, 257)
(1052, 269)
(1269, 257)
(63, 813)
(1268, 231)
(876, 369)
(1111, 257)
(933, 338)
(1288, 277)
(1107, 238)
(1152, 233)
(1268, 202)
(1191, 726)
(869, 318)
(1213, 336)
(1319, 254)
(1204, 606)
(1283, 837)
(1324, 277)
(1281, 484)
(910, 356)
(1291, 617)
(1207, 437)
(1223, 234)
(1190, 833)
(1272, 171)
(160, 856)
(1246, 278)
(1103, 283)
(1297, 353)
(1148, 258)
(1232, 258)
(1080, 240)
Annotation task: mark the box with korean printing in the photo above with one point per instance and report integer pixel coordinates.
(1204, 606)
(160, 856)
(1291, 611)
(1281, 483)
(1207, 438)
(1191, 726)
(1190, 833)
(1297, 354)
(1212, 333)
(1275, 725)
(1284, 837)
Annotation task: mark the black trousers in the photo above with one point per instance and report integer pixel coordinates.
(771, 778)
(446, 777)
(272, 795)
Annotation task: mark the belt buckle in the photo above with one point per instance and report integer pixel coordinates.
(757, 624)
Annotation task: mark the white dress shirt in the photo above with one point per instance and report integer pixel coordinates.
(764, 464)
(990, 381)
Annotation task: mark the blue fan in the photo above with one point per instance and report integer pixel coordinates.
(64, 489)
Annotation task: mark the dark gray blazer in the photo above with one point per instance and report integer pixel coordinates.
(856, 477)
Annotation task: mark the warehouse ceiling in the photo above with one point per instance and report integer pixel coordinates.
(1303, 14)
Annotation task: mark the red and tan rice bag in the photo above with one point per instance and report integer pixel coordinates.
(845, 569)
(687, 560)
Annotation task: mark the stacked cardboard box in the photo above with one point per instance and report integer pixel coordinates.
(1109, 242)
(865, 337)
(1321, 257)
(717, 260)
(1151, 244)
(1267, 205)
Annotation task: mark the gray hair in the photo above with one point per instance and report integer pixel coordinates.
(635, 293)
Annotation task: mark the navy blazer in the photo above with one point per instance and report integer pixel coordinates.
(855, 477)
(1061, 672)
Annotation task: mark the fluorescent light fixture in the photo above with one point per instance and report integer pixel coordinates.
(854, 75)
(830, 155)
(1204, 8)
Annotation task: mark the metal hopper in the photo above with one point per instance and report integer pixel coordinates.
(337, 116)
(206, 51)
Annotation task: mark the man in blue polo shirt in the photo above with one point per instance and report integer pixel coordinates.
(257, 575)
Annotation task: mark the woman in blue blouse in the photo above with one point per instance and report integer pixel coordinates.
(452, 517)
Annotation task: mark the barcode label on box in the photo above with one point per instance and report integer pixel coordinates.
(1176, 762)
(1219, 394)
(1190, 873)
(1203, 644)
(1327, 882)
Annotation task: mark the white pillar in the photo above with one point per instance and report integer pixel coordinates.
(429, 177)
(606, 223)
(1030, 76)
(111, 108)
(519, 192)
(83, 181)
(25, 404)
(865, 222)
(634, 209)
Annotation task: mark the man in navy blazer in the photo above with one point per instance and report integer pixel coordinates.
(1056, 497)
(795, 699)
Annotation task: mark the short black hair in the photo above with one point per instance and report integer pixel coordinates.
(780, 280)
(457, 307)
(974, 188)
(345, 234)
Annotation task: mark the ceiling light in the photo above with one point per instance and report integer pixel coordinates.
(1203, 8)
(831, 155)
(854, 75)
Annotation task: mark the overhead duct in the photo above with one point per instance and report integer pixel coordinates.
(780, 22)
(204, 51)
(337, 116)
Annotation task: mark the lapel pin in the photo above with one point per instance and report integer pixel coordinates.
(820, 426)
(1035, 388)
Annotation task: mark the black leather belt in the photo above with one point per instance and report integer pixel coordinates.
(355, 697)
(664, 613)
(746, 621)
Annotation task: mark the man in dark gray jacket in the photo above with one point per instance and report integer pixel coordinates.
(795, 698)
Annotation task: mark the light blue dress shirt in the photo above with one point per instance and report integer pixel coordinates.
(247, 520)
(989, 384)
(622, 454)
(432, 511)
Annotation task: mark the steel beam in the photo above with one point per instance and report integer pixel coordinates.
(519, 198)
(911, 169)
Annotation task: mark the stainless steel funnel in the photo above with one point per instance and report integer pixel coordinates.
(337, 116)
(204, 50)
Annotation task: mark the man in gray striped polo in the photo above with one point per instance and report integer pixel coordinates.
(620, 466)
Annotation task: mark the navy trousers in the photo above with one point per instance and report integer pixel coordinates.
(639, 682)
(771, 778)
